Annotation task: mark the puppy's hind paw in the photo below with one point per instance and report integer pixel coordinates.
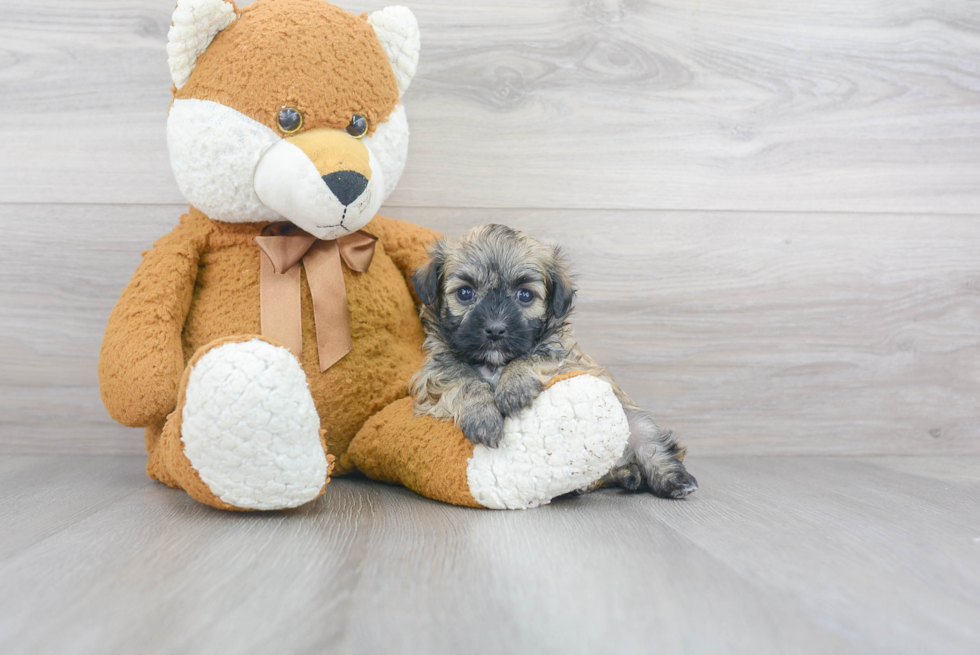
(628, 477)
(674, 484)
(483, 425)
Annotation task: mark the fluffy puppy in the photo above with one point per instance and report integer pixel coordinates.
(496, 306)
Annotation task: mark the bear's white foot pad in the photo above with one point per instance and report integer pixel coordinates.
(571, 436)
(250, 428)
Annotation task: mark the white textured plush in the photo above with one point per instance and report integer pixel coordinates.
(250, 428)
(214, 151)
(398, 31)
(289, 183)
(389, 145)
(195, 24)
(571, 436)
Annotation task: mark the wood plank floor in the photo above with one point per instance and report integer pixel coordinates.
(772, 555)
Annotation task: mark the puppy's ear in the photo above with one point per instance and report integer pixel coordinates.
(428, 276)
(560, 282)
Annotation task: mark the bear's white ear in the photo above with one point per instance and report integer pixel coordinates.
(398, 31)
(195, 24)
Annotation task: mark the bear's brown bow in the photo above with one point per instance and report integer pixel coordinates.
(283, 246)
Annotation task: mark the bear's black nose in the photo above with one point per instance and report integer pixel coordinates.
(346, 185)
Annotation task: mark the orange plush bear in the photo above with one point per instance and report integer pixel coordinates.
(269, 338)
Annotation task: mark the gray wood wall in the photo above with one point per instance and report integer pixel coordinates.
(773, 208)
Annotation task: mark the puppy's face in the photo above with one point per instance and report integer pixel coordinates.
(494, 294)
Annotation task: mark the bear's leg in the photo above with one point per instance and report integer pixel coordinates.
(246, 434)
(570, 437)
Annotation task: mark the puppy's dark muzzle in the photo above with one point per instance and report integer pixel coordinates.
(495, 331)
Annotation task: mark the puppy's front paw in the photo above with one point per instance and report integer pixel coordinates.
(515, 393)
(483, 424)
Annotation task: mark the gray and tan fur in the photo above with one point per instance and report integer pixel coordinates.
(495, 308)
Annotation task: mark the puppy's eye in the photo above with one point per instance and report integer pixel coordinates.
(290, 120)
(464, 294)
(358, 126)
(525, 296)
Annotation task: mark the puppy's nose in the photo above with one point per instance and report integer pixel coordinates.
(346, 185)
(496, 330)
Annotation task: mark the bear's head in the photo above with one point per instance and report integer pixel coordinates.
(289, 110)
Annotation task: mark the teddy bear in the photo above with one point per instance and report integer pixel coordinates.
(267, 342)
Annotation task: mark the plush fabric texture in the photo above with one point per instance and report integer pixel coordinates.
(425, 454)
(287, 181)
(214, 151)
(155, 327)
(195, 23)
(142, 357)
(570, 437)
(398, 31)
(324, 61)
(218, 155)
(389, 144)
(168, 461)
(250, 428)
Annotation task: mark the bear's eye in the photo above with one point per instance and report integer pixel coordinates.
(358, 126)
(290, 120)
(525, 296)
(464, 294)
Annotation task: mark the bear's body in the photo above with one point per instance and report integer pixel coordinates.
(287, 114)
(385, 329)
(216, 266)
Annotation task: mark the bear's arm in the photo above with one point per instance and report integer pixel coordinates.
(405, 243)
(142, 359)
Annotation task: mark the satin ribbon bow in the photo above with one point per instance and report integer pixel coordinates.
(283, 246)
